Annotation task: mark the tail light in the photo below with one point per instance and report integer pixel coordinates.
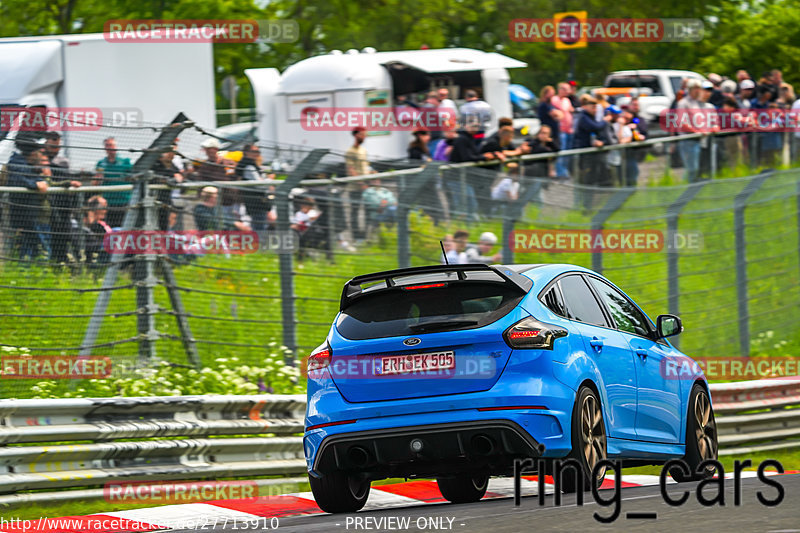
(320, 358)
(529, 333)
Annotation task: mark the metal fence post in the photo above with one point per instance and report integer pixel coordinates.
(145, 282)
(786, 153)
(405, 202)
(712, 139)
(798, 218)
(600, 218)
(5, 223)
(673, 256)
(165, 140)
(739, 205)
(285, 260)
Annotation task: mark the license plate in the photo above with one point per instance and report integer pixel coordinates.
(418, 362)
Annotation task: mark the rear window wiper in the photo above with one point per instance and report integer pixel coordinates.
(442, 324)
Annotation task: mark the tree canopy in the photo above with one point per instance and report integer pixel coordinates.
(757, 35)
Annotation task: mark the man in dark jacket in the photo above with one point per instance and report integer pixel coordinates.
(466, 147)
(589, 133)
(62, 205)
(28, 168)
(165, 172)
(255, 199)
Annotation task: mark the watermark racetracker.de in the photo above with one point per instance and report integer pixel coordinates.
(201, 31)
(29, 366)
(603, 241)
(43, 119)
(194, 242)
(611, 30)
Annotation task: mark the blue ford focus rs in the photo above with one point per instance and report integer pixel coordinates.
(456, 371)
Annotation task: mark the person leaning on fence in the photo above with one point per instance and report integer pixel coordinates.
(28, 168)
(541, 143)
(114, 169)
(166, 172)
(62, 205)
(256, 200)
(465, 148)
(588, 133)
(690, 148)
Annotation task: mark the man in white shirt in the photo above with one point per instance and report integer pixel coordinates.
(476, 109)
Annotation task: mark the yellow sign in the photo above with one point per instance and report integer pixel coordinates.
(567, 32)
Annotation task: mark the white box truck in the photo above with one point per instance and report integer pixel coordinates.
(368, 78)
(156, 80)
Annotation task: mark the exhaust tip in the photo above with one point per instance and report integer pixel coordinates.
(357, 456)
(482, 444)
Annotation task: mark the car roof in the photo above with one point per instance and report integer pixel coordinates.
(543, 272)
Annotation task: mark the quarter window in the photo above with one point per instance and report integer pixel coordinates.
(554, 302)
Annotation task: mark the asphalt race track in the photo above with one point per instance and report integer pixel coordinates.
(500, 515)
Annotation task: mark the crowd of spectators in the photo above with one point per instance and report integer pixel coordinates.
(718, 94)
(59, 226)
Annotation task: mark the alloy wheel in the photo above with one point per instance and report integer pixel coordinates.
(593, 434)
(706, 429)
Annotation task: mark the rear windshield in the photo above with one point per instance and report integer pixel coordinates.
(395, 312)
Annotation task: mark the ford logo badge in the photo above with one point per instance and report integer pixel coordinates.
(411, 341)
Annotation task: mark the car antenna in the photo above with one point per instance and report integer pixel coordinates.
(446, 262)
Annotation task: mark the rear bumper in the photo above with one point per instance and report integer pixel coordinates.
(446, 448)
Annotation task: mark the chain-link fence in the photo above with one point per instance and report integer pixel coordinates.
(724, 254)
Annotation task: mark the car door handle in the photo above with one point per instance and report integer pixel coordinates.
(641, 353)
(596, 343)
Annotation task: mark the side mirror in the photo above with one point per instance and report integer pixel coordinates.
(668, 325)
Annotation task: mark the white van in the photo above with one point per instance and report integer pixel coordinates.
(368, 78)
(155, 81)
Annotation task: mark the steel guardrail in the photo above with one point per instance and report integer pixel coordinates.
(81, 443)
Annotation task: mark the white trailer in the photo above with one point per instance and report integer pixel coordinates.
(155, 80)
(362, 79)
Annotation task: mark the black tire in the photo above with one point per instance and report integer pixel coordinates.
(588, 442)
(339, 492)
(463, 488)
(701, 437)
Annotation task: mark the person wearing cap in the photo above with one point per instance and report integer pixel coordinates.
(714, 85)
(28, 167)
(480, 254)
(746, 94)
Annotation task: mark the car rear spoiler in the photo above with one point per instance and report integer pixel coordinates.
(352, 289)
